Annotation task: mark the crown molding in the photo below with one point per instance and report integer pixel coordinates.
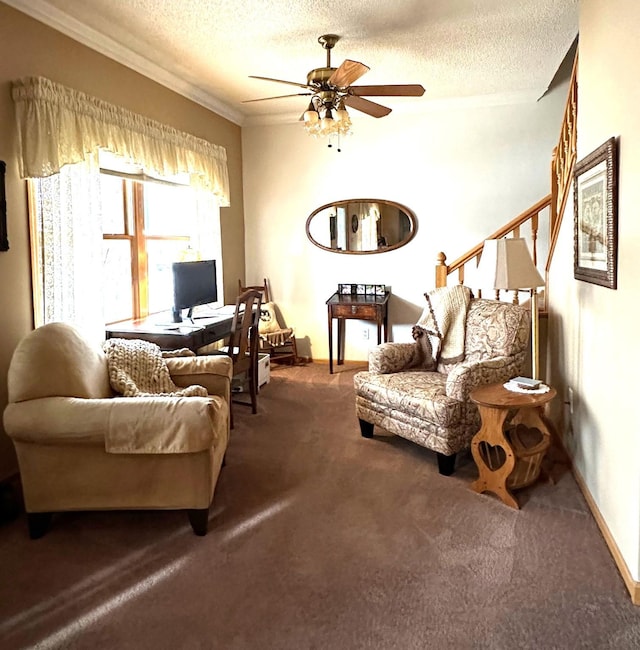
(44, 12)
(62, 22)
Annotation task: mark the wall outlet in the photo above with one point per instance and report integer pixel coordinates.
(365, 333)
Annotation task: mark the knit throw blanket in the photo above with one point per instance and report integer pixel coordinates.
(138, 369)
(443, 324)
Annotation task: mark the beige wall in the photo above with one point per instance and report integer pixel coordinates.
(594, 344)
(29, 48)
(465, 170)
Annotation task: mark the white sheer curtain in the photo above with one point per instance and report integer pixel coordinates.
(370, 218)
(67, 246)
(61, 132)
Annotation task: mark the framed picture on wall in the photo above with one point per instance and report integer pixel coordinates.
(595, 206)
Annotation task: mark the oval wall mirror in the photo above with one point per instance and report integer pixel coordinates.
(361, 226)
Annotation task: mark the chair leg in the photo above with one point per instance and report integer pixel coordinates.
(199, 520)
(366, 428)
(38, 524)
(253, 385)
(446, 464)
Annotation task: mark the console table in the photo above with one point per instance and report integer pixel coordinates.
(358, 307)
(191, 335)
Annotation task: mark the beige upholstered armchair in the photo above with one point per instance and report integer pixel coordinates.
(80, 447)
(432, 407)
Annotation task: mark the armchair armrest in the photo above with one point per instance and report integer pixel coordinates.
(131, 425)
(58, 420)
(466, 376)
(166, 425)
(390, 357)
(211, 371)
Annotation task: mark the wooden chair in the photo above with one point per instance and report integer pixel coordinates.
(243, 343)
(277, 341)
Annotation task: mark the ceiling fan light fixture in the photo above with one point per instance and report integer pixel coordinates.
(331, 118)
(327, 120)
(311, 115)
(329, 87)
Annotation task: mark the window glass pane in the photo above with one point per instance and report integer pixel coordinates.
(161, 253)
(118, 290)
(168, 210)
(112, 204)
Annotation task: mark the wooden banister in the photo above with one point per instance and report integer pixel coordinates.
(512, 228)
(562, 164)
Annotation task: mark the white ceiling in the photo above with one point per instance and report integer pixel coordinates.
(485, 51)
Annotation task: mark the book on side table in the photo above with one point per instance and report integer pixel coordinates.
(527, 382)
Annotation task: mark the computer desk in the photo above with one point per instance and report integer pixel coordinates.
(192, 334)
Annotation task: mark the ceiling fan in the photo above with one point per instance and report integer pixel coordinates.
(331, 90)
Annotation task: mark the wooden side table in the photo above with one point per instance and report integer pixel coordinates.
(360, 307)
(509, 454)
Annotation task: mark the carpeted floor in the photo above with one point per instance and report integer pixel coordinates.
(321, 539)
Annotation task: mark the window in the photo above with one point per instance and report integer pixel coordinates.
(140, 228)
(145, 227)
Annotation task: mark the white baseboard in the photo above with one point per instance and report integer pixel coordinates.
(633, 586)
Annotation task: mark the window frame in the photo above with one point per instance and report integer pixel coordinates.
(133, 232)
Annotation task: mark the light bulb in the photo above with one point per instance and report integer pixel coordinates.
(328, 121)
(311, 116)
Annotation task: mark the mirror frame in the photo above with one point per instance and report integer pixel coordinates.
(403, 208)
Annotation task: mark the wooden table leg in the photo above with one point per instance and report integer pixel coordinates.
(330, 343)
(484, 448)
(341, 338)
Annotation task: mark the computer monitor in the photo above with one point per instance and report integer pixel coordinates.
(194, 283)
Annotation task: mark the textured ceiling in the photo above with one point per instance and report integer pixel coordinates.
(475, 50)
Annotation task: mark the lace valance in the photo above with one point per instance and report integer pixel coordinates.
(58, 126)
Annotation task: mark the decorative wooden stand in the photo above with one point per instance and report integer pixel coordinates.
(357, 306)
(509, 454)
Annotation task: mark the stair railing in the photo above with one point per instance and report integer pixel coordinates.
(514, 228)
(562, 164)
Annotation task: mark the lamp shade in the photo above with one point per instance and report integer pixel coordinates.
(506, 264)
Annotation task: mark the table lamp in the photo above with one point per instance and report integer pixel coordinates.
(507, 264)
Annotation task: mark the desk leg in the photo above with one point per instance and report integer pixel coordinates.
(380, 332)
(493, 455)
(330, 343)
(386, 327)
(341, 338)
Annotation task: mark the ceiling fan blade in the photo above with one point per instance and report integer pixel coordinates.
(282, 81)
(366, 106)
(264, 99)
(347, 73)
(399, 90)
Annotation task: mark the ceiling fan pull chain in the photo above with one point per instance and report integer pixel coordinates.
(330, 145)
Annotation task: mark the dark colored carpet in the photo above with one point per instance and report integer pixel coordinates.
(321, 539)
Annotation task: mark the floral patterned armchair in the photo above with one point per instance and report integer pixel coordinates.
(431, 407)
